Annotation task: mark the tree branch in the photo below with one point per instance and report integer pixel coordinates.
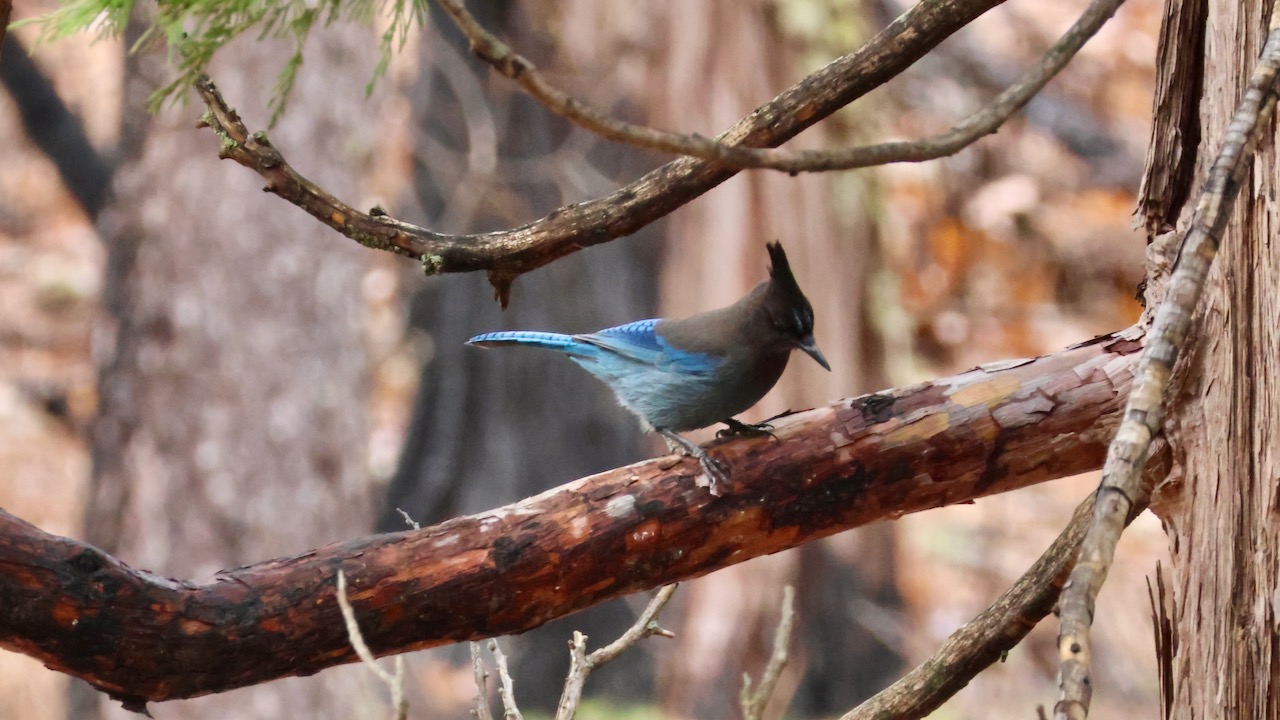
(507, 254)
(141, 637)
(1144, 411)
(506, 61)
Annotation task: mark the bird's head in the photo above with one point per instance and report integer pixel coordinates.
(789, 313)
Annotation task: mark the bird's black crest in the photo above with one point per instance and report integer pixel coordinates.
(780, 271)
(789, 295)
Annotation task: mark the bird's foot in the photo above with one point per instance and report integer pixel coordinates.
(737, 427)
(717, 473)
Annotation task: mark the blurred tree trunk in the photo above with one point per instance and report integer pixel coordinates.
(1224, 519)
(233, 419)
(699, 68)
(490, 427)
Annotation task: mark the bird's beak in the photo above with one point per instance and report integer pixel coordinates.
(811, 349)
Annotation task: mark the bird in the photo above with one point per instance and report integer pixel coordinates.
(681, 375)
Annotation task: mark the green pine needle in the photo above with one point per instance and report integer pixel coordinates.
(194, 30)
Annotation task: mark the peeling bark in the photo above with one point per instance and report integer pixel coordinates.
(1224, 519)
(141, 637)
(1169, 173)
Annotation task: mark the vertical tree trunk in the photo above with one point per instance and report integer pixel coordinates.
(1224, 519)
(233, 421)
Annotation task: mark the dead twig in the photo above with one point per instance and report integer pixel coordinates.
(394, 683)
(507, 687)
(581, 664)
(1144, 411)
(481, 711)
(1166, 638)
(754, 702)
(408, 520)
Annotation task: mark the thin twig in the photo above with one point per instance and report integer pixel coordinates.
(576, 679)
(507, 254)
(507, 688)
(645, 626)
(408, 519)
(394, 683)
(524, 73)
(481, 711)
(754, 703)
(581, 664)
(1144, 411)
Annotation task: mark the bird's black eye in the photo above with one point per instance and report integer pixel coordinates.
(802, 322)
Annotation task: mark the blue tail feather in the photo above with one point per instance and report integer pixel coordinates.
(550, 341)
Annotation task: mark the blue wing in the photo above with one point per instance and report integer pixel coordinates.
(640, 342)
(635, 340)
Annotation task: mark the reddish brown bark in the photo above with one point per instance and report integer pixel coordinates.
(141, 637)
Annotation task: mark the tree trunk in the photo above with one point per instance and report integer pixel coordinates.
(1222, 519)
(236, 354)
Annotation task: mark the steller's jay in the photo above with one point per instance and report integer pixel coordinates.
(685, 374)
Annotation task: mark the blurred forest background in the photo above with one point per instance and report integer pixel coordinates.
(195, 375)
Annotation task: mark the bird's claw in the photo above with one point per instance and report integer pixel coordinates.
(717, 473)
(736, 428)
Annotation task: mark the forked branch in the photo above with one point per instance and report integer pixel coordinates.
(581, 664)
(518, 68)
